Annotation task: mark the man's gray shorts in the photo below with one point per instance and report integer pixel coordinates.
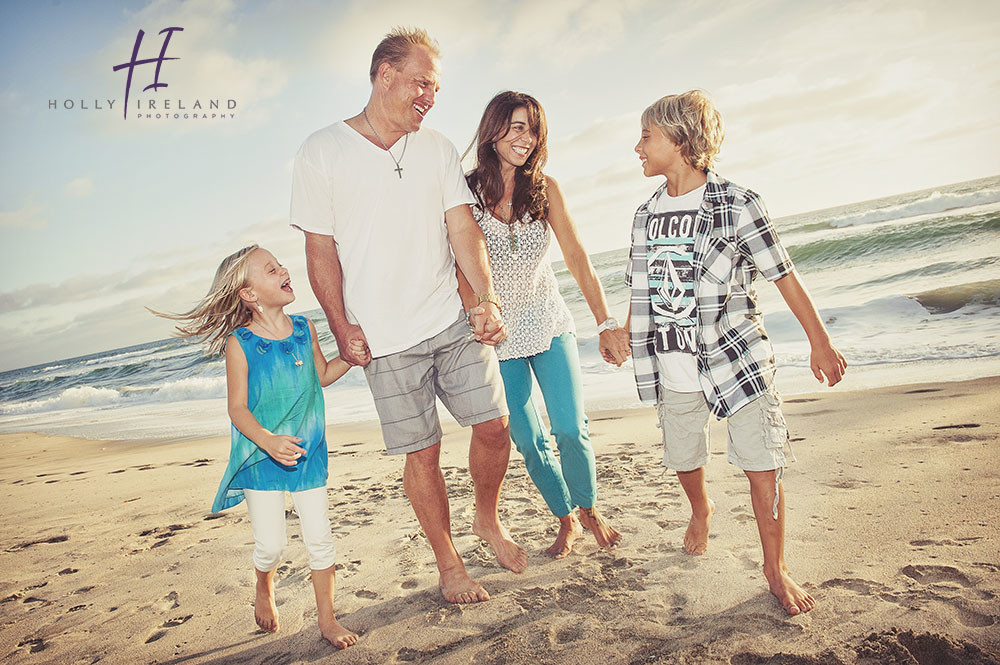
(451, 365)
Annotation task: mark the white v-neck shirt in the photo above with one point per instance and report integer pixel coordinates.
(399, 272)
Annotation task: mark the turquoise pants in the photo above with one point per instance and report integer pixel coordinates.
(573, 482)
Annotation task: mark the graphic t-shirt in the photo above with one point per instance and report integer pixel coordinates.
(670, 267)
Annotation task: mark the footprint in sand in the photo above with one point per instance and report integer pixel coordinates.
(21, 546)
(168, 602)
(928, 574)
(34, 644)
(896, 646)
(953, 587)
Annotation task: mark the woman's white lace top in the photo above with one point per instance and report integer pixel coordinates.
(523, 279)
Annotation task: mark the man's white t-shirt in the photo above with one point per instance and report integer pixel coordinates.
(399, 272)
(670, 243)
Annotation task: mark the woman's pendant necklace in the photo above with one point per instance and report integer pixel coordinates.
(510, 227)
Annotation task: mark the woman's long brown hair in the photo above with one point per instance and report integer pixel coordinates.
(485, 179)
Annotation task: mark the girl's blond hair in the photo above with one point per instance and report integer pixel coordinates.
(690, 121)
(221, 311)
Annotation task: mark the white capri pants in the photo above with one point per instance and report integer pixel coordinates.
(267, 518)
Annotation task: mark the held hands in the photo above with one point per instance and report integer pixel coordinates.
(826, 360)
(282, 448)
(353, 345)
(487, 324)
(614, 346)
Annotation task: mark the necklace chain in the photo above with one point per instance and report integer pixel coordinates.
(267, 329)
(512, 239)
(406, 140)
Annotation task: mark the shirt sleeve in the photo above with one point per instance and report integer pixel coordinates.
(628, 267)
(757, 240)
(454, 190)
(312, 196)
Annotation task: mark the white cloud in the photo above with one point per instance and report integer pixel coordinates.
(79, 187)
(29, 217)
(564, 32)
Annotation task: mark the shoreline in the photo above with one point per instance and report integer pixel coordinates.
(611, 389)
(893, 525)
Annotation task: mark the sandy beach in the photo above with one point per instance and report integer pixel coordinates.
(893, 519)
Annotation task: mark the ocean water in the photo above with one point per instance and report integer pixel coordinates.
(908, 285)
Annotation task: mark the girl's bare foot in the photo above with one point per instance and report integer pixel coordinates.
(696, 536)
(336, 634)
(593, 521)
(265, 612)
(569, 531)
(792, 597)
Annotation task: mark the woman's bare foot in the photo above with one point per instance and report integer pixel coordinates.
(336, 634)
(509, 554)
(696, 536)
(792, 597)
(594, 522)
(457, 587)
(569, 531)
(265, 612)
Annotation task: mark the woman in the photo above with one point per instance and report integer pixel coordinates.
(516, 206)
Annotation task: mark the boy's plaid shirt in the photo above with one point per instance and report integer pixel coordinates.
(734, 240)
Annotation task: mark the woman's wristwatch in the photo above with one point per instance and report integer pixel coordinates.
(488, 297)
(610, 323)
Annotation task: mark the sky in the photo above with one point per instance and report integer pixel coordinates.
(103, 214)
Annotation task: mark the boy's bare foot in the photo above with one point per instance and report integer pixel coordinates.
(594, 522)
(569, 531)
(792, 597)
(696, 536)
(336, 634)
(457, 587)
(265, 612)
(509, 554)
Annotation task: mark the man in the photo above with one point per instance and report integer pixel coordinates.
(385, 211)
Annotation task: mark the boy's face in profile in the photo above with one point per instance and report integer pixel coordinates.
(657, 153)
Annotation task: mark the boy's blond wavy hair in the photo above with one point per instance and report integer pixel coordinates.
(690, 121)
(221, 311)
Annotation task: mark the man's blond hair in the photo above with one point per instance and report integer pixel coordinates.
(395, 48)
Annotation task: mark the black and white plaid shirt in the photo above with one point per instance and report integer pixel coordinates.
(734, 241)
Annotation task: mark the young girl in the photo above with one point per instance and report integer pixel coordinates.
(274, 370)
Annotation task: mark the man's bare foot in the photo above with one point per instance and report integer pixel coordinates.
(594, 522)
(265, 612)
(509, 554)
(569, 531)
(457, 587)
(792, 597)
(336, 634)
(696, 536)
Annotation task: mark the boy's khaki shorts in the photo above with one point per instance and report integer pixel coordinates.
(758, 436)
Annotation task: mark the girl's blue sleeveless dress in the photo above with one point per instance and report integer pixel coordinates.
(285, 398)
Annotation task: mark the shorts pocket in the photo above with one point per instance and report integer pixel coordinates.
(773, 421)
